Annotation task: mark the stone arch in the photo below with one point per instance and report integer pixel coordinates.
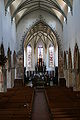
(30, 20)
(59, 42)
(58, 39)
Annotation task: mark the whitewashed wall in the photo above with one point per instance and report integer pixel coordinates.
(7, 29)
(29, 20)
(8, 37)
(71, 30)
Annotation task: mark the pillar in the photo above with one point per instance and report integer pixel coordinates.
(60, 69)
(1, 80)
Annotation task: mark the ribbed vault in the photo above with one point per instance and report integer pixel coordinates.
(40, 31)
(20, 8)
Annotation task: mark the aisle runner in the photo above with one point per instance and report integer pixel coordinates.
(40, 108)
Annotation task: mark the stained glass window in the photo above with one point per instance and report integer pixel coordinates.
(40, 52)
(29, 56)
(51, 56)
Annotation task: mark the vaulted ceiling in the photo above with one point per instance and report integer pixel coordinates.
(20, 8)
(40, 31)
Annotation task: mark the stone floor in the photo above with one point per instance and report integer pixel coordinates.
(40, 107)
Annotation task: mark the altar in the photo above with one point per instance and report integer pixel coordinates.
(40, 66)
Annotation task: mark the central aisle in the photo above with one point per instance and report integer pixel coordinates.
(40, 107)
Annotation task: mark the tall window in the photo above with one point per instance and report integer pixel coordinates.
(51, 56)
(40, 52)
(29, 56)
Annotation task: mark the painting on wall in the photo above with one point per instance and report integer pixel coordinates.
(29, 56)
(51, 56)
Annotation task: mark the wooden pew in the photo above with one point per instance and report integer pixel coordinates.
(16, 103)
(63, 103)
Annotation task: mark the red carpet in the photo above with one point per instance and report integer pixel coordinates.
(40, 108)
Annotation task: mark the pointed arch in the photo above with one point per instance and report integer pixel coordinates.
(52, 34)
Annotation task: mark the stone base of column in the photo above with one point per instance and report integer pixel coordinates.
(8, 79)
(1, 80)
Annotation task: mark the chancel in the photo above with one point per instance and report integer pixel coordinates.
(43, 53)
(39, 59)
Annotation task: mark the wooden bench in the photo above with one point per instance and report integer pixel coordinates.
(64, 104)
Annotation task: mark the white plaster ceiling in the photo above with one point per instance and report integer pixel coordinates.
(20, 8)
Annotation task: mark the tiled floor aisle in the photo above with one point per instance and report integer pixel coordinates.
(40, 108)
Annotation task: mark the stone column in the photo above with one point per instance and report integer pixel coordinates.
(1, 80)
(12, 76)
(70, 83)
(15, 73)
(9, 65)
(76, 79)
(66, 77)
(60, 69)
(78, 82)
(3, 59)
(20, 67)
(5, 79)
(8, 78)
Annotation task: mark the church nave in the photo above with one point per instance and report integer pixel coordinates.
(39, 60)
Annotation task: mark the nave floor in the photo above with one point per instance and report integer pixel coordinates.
(40, 108)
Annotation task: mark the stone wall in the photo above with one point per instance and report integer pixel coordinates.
(7, 29)
(61, 61)
(71, 37)
(8, 39)
(72, 74)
